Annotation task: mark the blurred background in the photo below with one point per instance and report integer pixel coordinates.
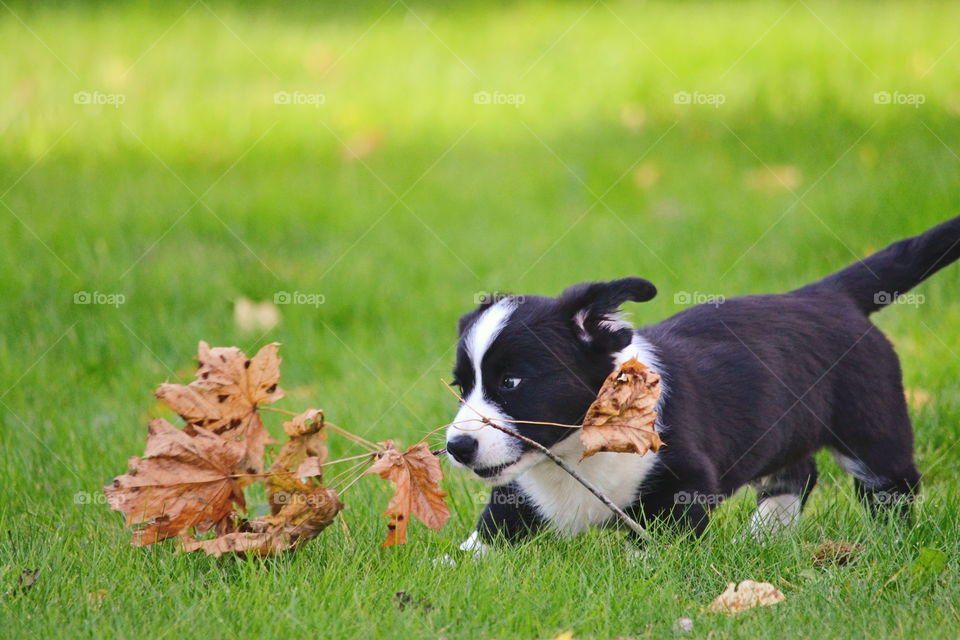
(348, 177)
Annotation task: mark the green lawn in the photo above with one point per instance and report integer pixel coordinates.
(203, 186)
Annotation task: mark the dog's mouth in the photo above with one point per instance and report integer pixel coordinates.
(492, 472)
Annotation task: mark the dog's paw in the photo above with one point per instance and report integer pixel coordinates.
(476, 545)
(473, 545)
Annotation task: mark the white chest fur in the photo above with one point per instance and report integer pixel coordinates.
(566, 503)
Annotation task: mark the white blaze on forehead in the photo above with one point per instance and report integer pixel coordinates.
(493, 447)
(485, 330)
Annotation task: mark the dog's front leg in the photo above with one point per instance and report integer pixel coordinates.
(509, 516)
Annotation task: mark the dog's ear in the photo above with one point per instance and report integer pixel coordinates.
(593, 308)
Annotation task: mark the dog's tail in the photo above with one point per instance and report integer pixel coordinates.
(879, 279)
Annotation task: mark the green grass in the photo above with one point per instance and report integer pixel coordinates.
(97, 198)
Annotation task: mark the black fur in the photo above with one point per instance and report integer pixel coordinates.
(756, 385)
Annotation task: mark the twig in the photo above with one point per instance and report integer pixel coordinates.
(352, 436)
(632, 524)
(627, 520)
(350, 484)
(346, 528)
(332, 481)
(356, 457)
(262, 407)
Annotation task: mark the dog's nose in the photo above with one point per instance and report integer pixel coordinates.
(462, 448)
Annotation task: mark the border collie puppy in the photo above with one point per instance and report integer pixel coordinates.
(752, 388)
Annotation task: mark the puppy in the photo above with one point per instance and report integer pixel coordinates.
(752, 389)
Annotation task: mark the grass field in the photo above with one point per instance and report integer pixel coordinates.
(185, 156)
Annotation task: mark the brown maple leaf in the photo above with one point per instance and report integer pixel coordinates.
(308, 513)
(307, 437)
(623, 417)
(224, 397)
(416, 477)
(181, 481)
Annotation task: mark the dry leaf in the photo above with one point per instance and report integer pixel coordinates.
(647, 175)
(224, 397)
(917, 398)
(633, 117)
(836, 553)
(307, 437)
(746, 595)
(261, 544)
(416, 477)
(361, 145)
(303, 518)
(182, 481)
(784, 177)
(623, 416)
(255, 317)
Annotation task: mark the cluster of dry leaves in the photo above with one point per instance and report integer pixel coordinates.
(190, 482)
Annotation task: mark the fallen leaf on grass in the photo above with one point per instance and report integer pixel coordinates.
(181, 481)
(403, 600)
(416, 477)
(224, 397)
(255, 317)
(361, 145)
(917, 398)
(623, 418)
(783, 177)
(647, 175)
(26, 580)
(633, 117)
(746, 595)
(836, 553)
(96, 598)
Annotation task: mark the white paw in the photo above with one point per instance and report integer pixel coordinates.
(476, 545)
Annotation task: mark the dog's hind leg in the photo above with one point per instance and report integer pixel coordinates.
(781, 497)
(884, 484)
(874, 443)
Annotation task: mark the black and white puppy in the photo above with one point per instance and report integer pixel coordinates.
(752, 389)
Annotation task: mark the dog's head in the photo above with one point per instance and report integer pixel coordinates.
(532, 358)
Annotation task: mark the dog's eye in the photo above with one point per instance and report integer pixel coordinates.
(509, 382)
